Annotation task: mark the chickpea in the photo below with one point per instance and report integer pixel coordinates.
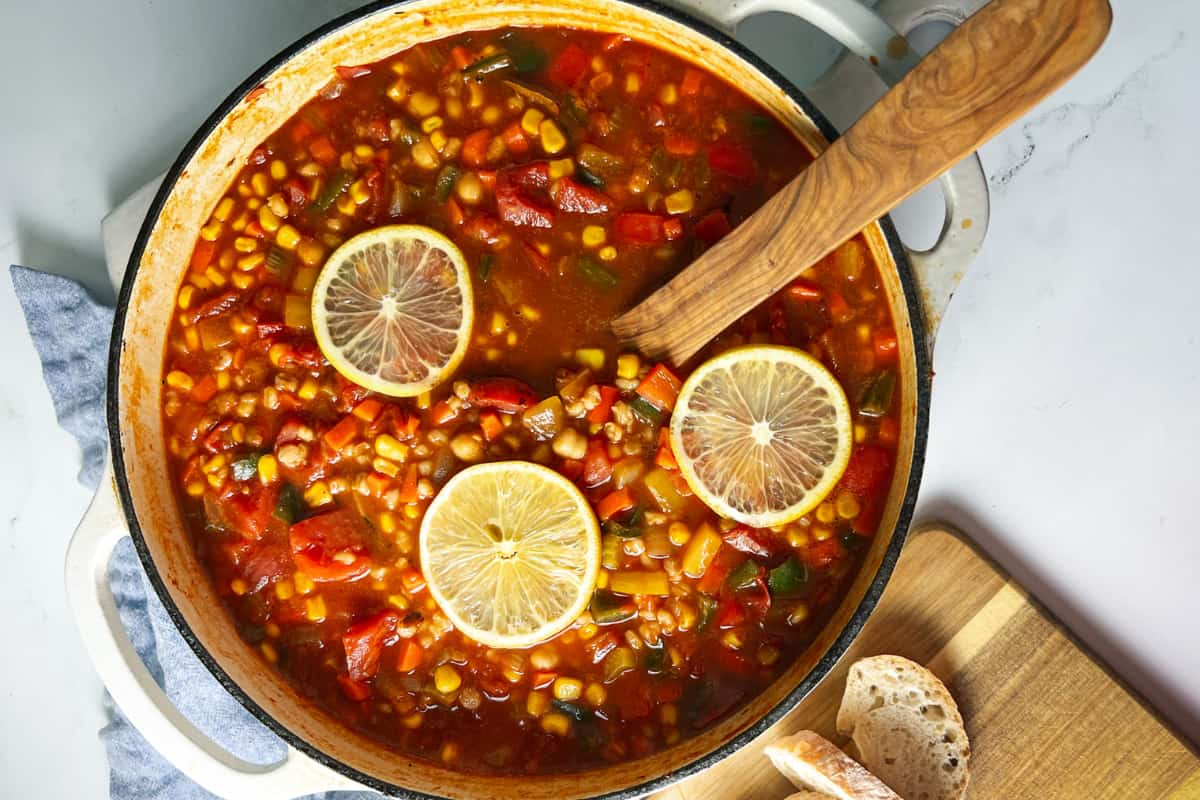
(570, 443)
(467, 447)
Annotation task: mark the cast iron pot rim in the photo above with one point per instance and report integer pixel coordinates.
(822, 668)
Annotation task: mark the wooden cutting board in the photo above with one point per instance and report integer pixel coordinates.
(1046, 721)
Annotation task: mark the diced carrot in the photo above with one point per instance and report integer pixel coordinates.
(614, 503)
(454, 212)
(474, 148)
(204, 391)
(690, 85)
(343, 433)
(665, 457)
(541, 680)
(889, 431)
(350, 73)
(613, 42)
(412, 579)
(411, 656)
(886, 344)
(255, 230)
(608, 396)
(300, 131)
(202, 255)
(514, 139)
(355, 690)
(408, 490)
(460, 55)
(378, 483)
(322, 150)
(720, 566)
(839, 309)
(368, 409)
(803, 290)
(638, 228)
(673, 229)
(597, 467)
(491, 424)
(442, 413)
(660, 387)
(681, 144)
(410, 427)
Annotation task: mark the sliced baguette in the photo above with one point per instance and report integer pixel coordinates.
(808, 796)
(814, 763)
(906, 728)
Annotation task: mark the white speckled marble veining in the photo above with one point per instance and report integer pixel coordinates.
(1066, 415)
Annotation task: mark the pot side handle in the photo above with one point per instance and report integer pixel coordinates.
(140, 698)
(876, 37)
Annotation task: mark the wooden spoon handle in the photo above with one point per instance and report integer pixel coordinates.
(992, 69)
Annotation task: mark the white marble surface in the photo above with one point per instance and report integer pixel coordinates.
(1066, 419)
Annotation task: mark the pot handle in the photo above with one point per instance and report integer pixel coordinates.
(876, 37)
(140, 698)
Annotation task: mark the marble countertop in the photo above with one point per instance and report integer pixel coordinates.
(1066, 412)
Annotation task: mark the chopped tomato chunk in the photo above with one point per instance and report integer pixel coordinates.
(364, 642)
(332, 546)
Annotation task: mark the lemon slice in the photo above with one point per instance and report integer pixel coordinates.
(510, 551)
(392, 309)
(762, 434)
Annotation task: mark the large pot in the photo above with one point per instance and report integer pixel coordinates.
(136, 498)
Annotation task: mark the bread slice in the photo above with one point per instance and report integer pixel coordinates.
(906, 728)
(808, 796)
(814, 763)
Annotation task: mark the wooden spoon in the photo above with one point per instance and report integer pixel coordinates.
(992, 69)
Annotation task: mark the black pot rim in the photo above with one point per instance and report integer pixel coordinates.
(819, 671)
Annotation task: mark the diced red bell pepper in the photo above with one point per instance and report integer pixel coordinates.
(867, 472)
(202, 255)
(608, 396)
(597, 467)
(300, 131)
(820, 555)
(462, 58)
(889, 431)
(250, 514)
(355, 690)
(681, 144)
(713, 579)
(364, 642)
(660, 388)
(575, 198)
(514, 139)
(296, 193)
(332, 546)
(750, 541)
(673, 229)
(614, 503)
(732, 160)
(712, 227)
(541, 680)
(569, 66)
(504, 394)
(322, 150)
(692, 80)
(886, 344)
(411, 656)
(535, 258)
(729, 615)
(474, 147)
(516, 209)
(639, 228)
(205, 389)
(839, 309)
(484, 229)
(804, 291)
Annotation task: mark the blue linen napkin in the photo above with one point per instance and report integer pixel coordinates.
(71, 331)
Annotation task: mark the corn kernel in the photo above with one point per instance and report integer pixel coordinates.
(588, 632)
(413, 720)
(680, 202)
(226, 259)
(269, 652)
(679, 534)
(446, 679)
(387, 522)
(424, 156)
(423, 104)
(195, 488)
(391, 448)
(537, 704)
(734, 639)
(608, 253)
(212, 231)
(601, 82)
(531, 119)
(499, 323)
(272, 630)
(253, 204)
(821, 533)
(359, 192)
(847, 506)
(310, 252)
(475, 95)
(602, 579)
(287, 237)
(568, 689)
(398, 91)
(242, 280)
(669, 94)
(553, 140)
(279, 170)
(439, 141)
(284, 589)
(633, 83)
(268, 468)
(860, 433)
(244, 190)
(241, 222)
(304, 584)
(386, 467)
(797, 538)
(346, 160)
(239, 586)
(278, 205)
(251, 262)
(398, 602)
(825, 513)
(669, 714)
(268, 219)
(490, 115)
(424, 399)
(244, 244)
(180, 380)
(308, 390)
(561, 168)
(191, 339)
(261, 184)
(595, 694)
(346, 205)
(594, 236)
(431, 124)
(529, 312)
(450, 752)
(798, 615)
(185, 297)
(314, 609)
(590, 357)
(556, 723)
(277, 352)
(223, 209)
(318, 494)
